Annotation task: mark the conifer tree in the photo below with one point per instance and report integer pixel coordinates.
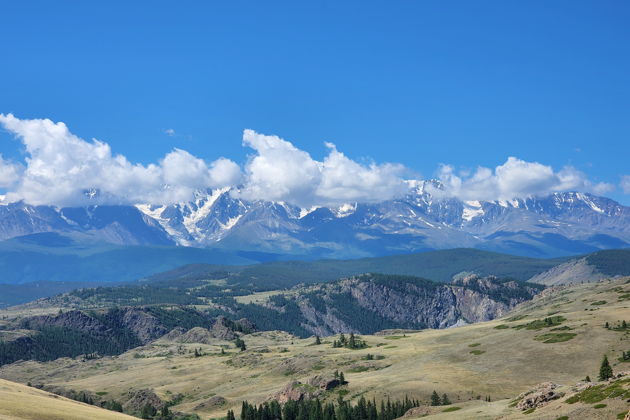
(605, 371)
(435, 399)
(445, 400)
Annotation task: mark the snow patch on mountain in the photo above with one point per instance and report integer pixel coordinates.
(472, 209)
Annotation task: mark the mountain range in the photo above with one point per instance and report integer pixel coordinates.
(561, 224)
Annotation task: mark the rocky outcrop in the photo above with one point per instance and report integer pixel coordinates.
(538, 396)
(211, 403)
(75, 320)
(195, 335)
(223, 329)
(174, 334)
(139, 399)
(144, 325)
(416, 412)
(409, 302)
(323, 382)
(313, 388)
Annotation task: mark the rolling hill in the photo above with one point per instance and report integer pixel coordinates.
(560, 336)
(21, 402)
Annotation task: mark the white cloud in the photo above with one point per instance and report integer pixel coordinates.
(169, 132)
(61, 166)
(625, 184)
(280, 171)
(515, 178)
(10, 173)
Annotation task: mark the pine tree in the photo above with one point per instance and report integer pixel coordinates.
(318, 341)
(435, 399)
(588, 378)
(605, 371)
(342, 379)
(445, 400)
(352, 343)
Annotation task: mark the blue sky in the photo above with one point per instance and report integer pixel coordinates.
(416, 83)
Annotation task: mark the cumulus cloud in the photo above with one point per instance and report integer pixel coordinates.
(625, 184)
(60, 167)
(515, 178)
(279, 171)
(10, 173)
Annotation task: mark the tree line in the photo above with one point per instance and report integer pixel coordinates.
(315, 409)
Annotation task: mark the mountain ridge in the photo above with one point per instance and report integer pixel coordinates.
(559, 224)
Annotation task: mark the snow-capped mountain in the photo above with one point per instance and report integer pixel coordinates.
(559, 224)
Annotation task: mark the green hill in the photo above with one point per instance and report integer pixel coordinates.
(435, 265)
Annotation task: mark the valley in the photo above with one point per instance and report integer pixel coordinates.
(499, 358)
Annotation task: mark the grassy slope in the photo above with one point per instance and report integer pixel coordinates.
(25, 403)
(512, 361)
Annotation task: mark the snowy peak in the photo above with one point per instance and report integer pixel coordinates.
(558, 224)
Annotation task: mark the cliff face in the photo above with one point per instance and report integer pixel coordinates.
(144, 326)
(396, 301)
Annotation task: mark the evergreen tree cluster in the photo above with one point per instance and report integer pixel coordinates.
(53, 342)
(340, 376)
(625, 355)
(352, 342)
(436, 400)
(316, 410)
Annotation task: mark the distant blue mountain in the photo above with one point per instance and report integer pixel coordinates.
(560, 224)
